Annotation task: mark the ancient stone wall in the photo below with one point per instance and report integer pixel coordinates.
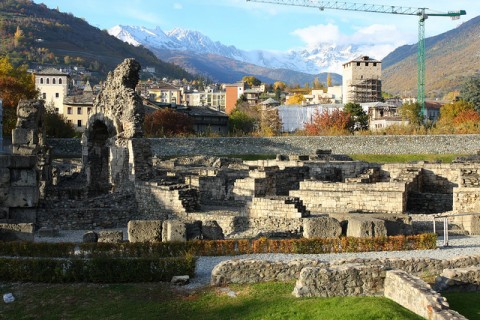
(443, 144)
(155, 200)
(327, 197)
(252, 271)
(344, 280)
(417, 296)
(459, 280)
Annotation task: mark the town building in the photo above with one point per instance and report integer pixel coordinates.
(208, 98)
(53, 87)
(382, 115)
(165, 93)
(77, 108)
(362, 80)
(232, 94)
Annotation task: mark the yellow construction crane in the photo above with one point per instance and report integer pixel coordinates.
(422, 14)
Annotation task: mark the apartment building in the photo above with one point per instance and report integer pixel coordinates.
(165, 93)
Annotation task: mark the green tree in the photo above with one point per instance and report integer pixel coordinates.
(251, 81)
(56, 126)
(240, 122)
(359, 116)
(412, 112)
(470, 91)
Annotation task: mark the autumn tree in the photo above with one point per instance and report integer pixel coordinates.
(270, 123)
(167, 122)
(18, 37)
(329, 80)
(336, 122)
(412, 112)
(15, 84)
(56, 125)
(458, 117)
(279, 85)
(471, 91)
(359, 116)
(251, 81)
(297, 98)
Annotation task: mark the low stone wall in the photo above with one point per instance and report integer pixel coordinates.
(248, 270)
(254, 271)
(20, 231)
(459, 279)
(417, 296)
(442, 144)
(344, 280)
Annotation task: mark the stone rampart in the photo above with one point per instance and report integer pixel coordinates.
(443, 144)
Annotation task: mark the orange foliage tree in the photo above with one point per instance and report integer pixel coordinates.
(331, 123)
(167, 122)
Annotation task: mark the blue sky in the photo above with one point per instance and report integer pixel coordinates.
(250, 26)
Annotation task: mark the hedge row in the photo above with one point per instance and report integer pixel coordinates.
(221, 247)
(99, 270)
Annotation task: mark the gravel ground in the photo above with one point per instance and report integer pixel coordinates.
(457, 246)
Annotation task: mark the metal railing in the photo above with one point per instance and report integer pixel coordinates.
(445, 223)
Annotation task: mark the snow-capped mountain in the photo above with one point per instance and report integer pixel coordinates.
(323, 58)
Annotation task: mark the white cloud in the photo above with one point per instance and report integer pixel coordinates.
(377, 39)
(177, 6)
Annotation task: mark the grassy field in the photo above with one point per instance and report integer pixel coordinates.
(467, 303)
(160, 301)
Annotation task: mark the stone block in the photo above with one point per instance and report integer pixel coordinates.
(321, 227)
(90, 237)
(145, 230)
(174, 230)
(14, 232)
(470, 223)
(194, 230)
(212, 231)
(22, 197)
(180, 280)
(110, 236)
(23, 178)
(4, 176)
(22, 162)
(364, 227)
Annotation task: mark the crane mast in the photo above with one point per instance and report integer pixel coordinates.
(375, 8)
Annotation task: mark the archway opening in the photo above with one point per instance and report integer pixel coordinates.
(98, 159)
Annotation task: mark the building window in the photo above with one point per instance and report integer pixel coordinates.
(366, 64)
(57, 94)
(79, 123)
(41, 80)
(374, 64)
(56, 110)
(48, 80)
(89, 110)
(69, 110)
(358, 64)
(44, 96)
(59, 80)
(79, 110)
(69, 121)
(53, 81)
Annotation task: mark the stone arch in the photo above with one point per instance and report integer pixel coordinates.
(114, 153)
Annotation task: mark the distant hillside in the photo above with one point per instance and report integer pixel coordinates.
(33, 34)
(451, 57)
(228, 70)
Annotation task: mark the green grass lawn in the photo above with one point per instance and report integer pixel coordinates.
(160, 301)
(405, 158)
(467, 303)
